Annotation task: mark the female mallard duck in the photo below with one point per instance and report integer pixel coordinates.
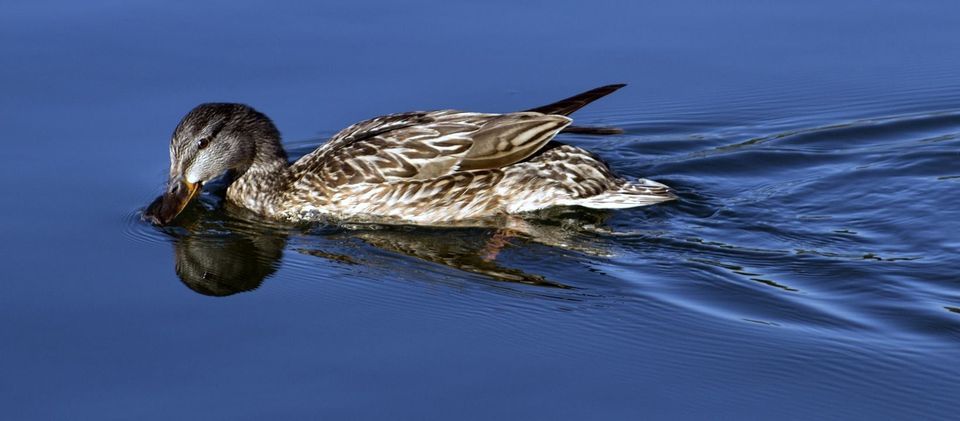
(420, 167)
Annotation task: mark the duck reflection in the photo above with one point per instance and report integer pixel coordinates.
(228, 264)
(222, 251)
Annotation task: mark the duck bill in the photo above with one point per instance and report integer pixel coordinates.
(166, 207)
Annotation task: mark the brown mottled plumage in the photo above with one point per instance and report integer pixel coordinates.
(420, 167)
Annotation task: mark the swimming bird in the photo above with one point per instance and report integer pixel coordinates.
(424, 167)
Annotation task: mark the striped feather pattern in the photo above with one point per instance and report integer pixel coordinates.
(417, 146)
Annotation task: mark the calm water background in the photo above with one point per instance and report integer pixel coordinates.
(807, 271)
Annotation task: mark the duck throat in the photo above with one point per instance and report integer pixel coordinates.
(263, 186)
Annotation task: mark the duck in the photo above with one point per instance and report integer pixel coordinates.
(421, 167)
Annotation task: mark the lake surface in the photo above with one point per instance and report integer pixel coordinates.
(807, 271)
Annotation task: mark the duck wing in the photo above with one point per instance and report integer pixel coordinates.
(425, 145)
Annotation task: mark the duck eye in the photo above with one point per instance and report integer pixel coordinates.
(203, 142)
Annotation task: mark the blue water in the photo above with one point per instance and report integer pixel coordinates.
(807, 270)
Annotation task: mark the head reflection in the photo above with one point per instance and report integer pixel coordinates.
(221, 265)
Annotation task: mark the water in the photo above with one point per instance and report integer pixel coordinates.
(807, 270)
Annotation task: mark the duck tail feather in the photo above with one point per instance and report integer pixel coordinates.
(576, 102)
(599, 131)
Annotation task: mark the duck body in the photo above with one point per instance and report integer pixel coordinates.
(432, 167)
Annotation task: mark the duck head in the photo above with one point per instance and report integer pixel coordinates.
(210, 140)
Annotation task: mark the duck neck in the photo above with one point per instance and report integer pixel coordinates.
(262, 186)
